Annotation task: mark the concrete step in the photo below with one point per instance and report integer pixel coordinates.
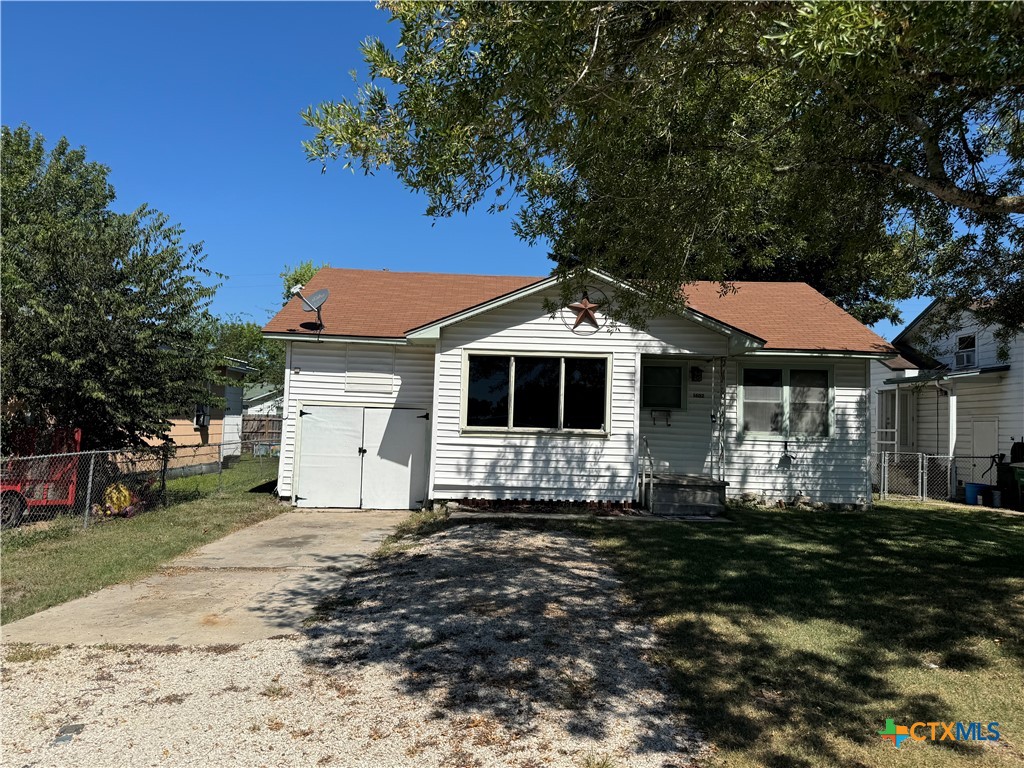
(684, 494)
(686, 510)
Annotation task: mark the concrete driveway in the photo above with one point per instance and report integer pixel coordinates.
(256, 583)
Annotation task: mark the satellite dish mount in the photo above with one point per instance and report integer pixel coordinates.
(313, 304)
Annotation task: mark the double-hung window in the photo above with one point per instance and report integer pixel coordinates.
(536, 392)
(966, 351)
(786, 401)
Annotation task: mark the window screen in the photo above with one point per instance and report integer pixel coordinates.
(536, 388)
(661, 386)
(808, 403)
(585, 396)
(762, 400)
(487, 397)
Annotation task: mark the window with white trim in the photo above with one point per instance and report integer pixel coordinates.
(966, 351)
(663, 384)
(537, 392)
(786, 401)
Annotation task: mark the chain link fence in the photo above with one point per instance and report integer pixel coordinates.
(923, 476)
(97, 485)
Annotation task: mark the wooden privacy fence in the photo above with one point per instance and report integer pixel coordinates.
(262, 430)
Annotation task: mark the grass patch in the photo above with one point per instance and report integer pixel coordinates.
(19, 653)
(792, 636)
(415, 527)
(247, 473)
(47, 565)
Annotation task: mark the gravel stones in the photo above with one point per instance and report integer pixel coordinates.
(477, 647)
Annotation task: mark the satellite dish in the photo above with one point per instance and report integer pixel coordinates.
(314, 302)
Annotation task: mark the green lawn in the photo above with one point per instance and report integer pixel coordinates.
(49, 563)
(792, 636)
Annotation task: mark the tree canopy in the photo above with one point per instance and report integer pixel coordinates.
(872, 149)
(300, 274)
(105, 322)
(243, 340)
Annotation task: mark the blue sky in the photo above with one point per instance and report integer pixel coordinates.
(195, 108)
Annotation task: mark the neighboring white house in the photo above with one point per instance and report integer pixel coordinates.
(949, 395)
(263, 400)
(426, 386)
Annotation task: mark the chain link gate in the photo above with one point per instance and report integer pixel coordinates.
(927, 477)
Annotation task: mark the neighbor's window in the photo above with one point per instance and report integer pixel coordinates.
(537, 392)
(966, 351)
(662, 385)
(789, 402)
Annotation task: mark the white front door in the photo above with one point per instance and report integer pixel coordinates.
(355, 456)
(986, 438)
(329, 461)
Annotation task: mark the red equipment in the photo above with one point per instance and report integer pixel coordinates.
(30, 481)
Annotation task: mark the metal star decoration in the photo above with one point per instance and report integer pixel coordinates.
(584, 312)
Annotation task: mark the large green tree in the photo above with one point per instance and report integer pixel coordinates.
(243, 340)
(105, 323)
(872, 149)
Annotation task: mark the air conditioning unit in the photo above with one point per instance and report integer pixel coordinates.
(965, 359)
(202, 418)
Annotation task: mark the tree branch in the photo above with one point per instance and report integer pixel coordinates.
(948, 192)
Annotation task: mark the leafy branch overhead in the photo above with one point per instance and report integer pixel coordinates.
(873, 150)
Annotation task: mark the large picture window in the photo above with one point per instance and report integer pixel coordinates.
(534, 392)
(789, 402)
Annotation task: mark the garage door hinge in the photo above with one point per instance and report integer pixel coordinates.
(425, 416)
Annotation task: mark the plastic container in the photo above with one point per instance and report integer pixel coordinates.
(972, 492)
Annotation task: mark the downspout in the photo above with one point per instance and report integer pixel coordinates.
(951, 395)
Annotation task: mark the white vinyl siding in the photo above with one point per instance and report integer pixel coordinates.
(547, 465)
(996, 395)
(686, 442)
(993, 397)
(832, 470)
(351, 374)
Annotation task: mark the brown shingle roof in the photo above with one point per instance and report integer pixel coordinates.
(787, 316)
(378, 304)
(382, 305)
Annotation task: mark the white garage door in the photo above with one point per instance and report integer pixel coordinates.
(375, 458)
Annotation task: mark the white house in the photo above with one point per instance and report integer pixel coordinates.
(424, 386)
(949, 394)
(263, 400)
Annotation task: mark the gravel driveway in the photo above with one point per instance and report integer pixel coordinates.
(477, 647)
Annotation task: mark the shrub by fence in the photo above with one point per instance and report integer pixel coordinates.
(94, 485)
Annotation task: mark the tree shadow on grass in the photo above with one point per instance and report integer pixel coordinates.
(815, 626)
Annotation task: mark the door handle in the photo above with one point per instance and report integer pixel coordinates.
(362, 451)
